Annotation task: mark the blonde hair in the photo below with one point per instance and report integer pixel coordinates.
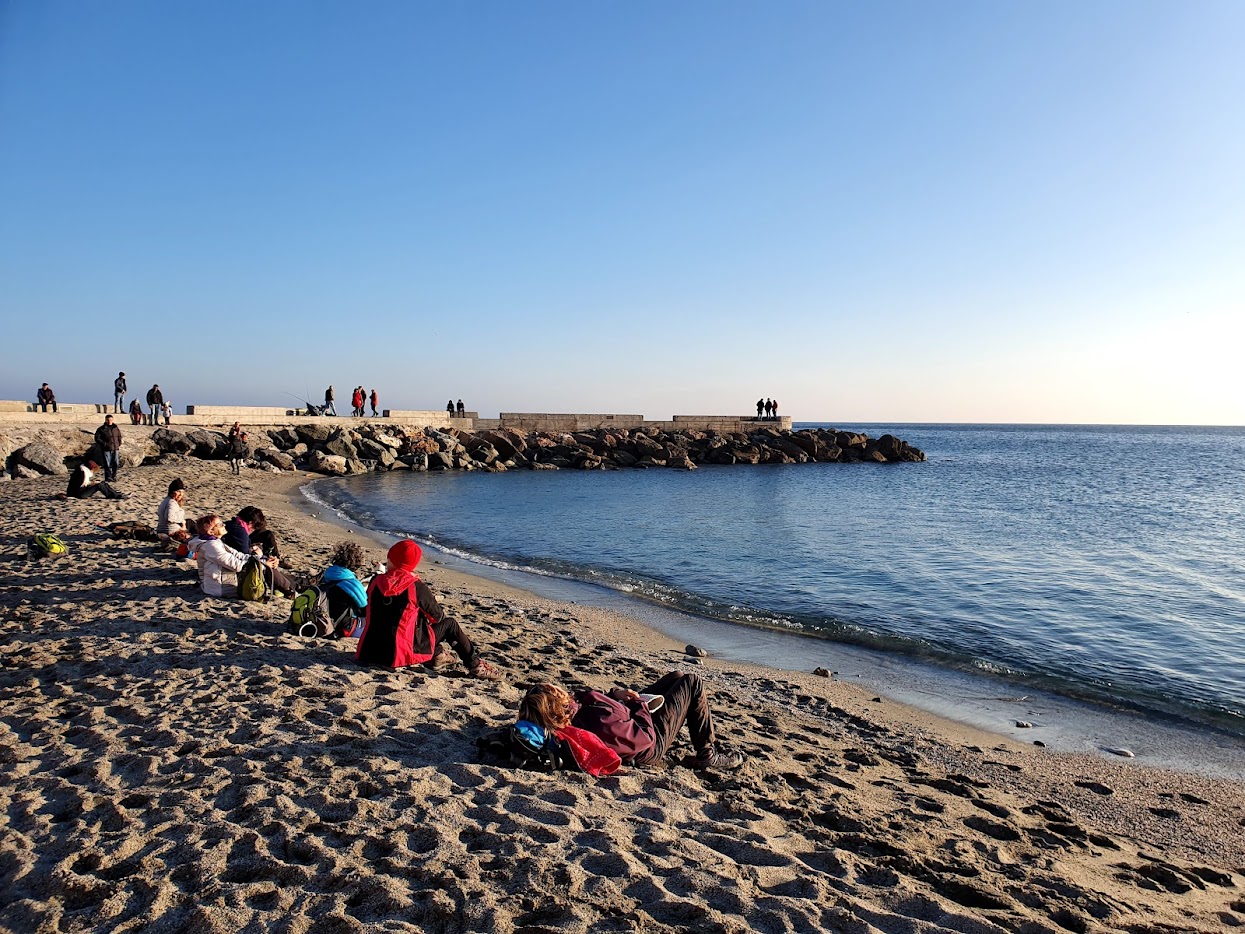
(546, 705)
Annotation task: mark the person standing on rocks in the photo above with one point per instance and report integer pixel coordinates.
(108, 438)
(155, 399)
(118, 393)
(46, 397)
(329, 408)
(375, 400)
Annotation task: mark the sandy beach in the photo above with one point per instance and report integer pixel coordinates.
(177, 763)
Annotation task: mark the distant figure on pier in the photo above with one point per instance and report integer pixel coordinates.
(136, 412)
(356, 401)
(46, 397)
(773, 407)
(449, 407)
(769, 406)
(329, 408)
(760, 406)
(374, 400)
(462, 412)
(155, 399)
(118, 393)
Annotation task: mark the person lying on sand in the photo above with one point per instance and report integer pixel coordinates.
(623, 721)
(404, 622)
(219, 563)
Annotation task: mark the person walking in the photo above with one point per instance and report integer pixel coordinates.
(46, 397)
(108, 437)
(375, 399)
(356, 402)
(118, 393)
(329, 408)
(155, 399)
(239, 452)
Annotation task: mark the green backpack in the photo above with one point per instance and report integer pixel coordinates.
(253, 581)
(45, 545)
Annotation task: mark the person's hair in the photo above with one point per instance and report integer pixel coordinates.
(252, 516)
(349, 555)
(205, 522)
(177, 484)
(91, 465)
(546, 705)
(108, 416)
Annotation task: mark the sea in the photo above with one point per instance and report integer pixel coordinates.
(1098, 565)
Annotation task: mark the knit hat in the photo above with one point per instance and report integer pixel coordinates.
(405, 555)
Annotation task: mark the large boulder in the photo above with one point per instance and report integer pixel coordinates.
(209, 445)
(313, 434)
(171, 442)
(333, 464)
(339, 443)
(136, 451)
(40, 457)
(278, 459)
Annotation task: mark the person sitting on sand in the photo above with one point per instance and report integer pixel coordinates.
(171, 514)
(341, 584)
(219, 563)
(405, 624)
(248, 533)
(621, 719)
(81, 487)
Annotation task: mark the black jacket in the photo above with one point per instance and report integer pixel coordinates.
(108, 437)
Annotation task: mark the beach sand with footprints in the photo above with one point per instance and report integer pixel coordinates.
(177, 763)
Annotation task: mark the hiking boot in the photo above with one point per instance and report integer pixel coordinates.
(485, 672)
(711, 758)
(443, 658)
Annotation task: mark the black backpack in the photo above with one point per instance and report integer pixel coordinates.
(508, 746)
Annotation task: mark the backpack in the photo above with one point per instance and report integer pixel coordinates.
(310, 619)
(45, 545)
(254, 581)
(517, 747)
(138, 531)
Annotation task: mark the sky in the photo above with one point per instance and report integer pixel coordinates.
(871, 212)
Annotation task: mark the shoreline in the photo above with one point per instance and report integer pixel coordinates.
(181, 763)
(1061, 723)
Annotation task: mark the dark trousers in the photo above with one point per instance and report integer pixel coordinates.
(46, 404)
(92, 488)
(112, 463)
(685, 703)
(448, 631)
(282, 581)
(267, 541)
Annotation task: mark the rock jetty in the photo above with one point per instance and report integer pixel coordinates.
(339, 450)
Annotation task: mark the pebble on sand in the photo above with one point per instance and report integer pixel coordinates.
(1024, 724)
(1119, 751)
(695, 651)
(822, 672)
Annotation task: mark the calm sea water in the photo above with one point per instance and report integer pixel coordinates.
(1106, 563)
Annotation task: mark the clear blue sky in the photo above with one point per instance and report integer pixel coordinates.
(959, 211)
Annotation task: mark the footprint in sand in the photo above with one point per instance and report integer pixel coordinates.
(1096, 787)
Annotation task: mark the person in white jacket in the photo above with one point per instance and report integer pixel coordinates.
(219, 564)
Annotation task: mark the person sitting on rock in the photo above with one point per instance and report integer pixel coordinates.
(171, 514)
(346, 594)
(81, 487)
(623, 721)
(405, 624)
(219, 562)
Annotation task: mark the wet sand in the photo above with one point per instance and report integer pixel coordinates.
(176, 762)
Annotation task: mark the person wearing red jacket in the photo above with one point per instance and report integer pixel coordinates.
(623, 721)
(405, 624)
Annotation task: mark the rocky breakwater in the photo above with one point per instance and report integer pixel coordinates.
(339, 450)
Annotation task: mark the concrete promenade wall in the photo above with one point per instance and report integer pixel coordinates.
(556, 423)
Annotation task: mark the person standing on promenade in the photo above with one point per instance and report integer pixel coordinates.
(168, 412)
(375, 399)
(356, 402)
(108, 437)
(118, 393)
(774, 408)
(155, 399)
(329, 408)
(462, 412)
(760, 406)
(46, 397)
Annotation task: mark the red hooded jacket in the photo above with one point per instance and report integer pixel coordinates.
(397, 630)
